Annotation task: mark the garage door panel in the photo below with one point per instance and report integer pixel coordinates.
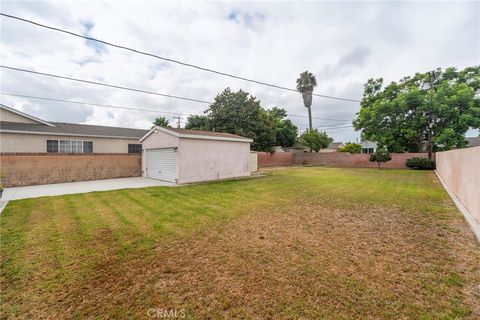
(161, 164)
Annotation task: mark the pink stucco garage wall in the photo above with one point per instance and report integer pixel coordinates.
(460, 170)
(204, 160)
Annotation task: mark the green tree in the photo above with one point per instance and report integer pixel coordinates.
(351, 147)
(240, 113)
(315, 140)
(196, 122)
(380, 156)
(285, 131)
(161, 122)
(305, 84)
(400, 115)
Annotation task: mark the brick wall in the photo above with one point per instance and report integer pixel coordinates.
(22, 169)
(266, 159)
(332, 159)
(343, 159)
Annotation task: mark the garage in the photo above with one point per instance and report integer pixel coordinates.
(161, 164)
(184, 156)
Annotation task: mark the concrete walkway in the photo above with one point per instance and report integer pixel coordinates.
(58, 189)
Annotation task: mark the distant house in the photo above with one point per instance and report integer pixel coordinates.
(23, 133)
(297, 147)
(472, 142)
(368, 146)
(333, 147)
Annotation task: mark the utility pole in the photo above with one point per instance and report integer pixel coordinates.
(178, 120)
(431, 75)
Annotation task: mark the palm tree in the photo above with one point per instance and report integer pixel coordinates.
(305, 85)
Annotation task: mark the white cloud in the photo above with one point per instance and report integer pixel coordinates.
(343, 43)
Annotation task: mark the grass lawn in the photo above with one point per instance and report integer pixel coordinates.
(304, 243)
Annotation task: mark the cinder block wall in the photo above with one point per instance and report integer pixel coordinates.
(266, 159)
(41, 168)
(343, 159)
(332, 159)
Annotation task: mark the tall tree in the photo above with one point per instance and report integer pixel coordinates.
(161, 122)
(285, 131)
(240, 113)
(401, 114)
(196, 122)
(315, 140)
(305, 84)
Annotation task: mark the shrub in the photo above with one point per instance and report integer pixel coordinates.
(380, 156)
(420, 163)
(351, 147)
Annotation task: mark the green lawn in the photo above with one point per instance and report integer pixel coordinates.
(298, 243)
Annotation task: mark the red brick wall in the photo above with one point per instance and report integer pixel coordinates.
(343, 159)
(41, 168)
(266, 159)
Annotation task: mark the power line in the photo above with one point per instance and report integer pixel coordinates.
(90, 103)
(169, 59)
(138, 90)
(105, 84)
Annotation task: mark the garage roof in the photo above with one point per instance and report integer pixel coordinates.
(198, 134)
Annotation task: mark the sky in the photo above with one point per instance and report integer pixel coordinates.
(342, 43)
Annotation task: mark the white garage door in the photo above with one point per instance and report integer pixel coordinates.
(161, 164)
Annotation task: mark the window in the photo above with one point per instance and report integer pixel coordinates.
(368, 150)
(87, 147)
(69, 146)
(134, 148)
(52, 146)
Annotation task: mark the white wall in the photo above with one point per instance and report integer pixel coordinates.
(205, 160)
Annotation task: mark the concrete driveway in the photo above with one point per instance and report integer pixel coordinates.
(58, 189)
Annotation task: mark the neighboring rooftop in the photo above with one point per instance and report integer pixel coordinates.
(205, 133)
(72, 129)
(335, 145)
(473, 141)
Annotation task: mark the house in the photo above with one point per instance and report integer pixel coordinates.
(184, 156)
(333, 147)
(35, 151)
(23, 133)
(368, 146)
(472, 142)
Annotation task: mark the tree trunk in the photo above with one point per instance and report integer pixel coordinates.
(310, 118)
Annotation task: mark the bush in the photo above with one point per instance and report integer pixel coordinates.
(420, 163)
(381, 156)
(351, 147)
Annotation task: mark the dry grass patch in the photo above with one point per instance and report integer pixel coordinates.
(296, 244)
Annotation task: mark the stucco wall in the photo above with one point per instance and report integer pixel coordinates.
(253, 161)
(14, 142)
(160, 139)
(204, 160)
(22, 170)
(6, 115)
(460, 170)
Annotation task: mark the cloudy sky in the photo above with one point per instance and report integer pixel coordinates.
(342, 43)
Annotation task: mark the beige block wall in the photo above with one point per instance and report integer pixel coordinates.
(24, 170)
(35, 143)
(205, 160)
(460, 170)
